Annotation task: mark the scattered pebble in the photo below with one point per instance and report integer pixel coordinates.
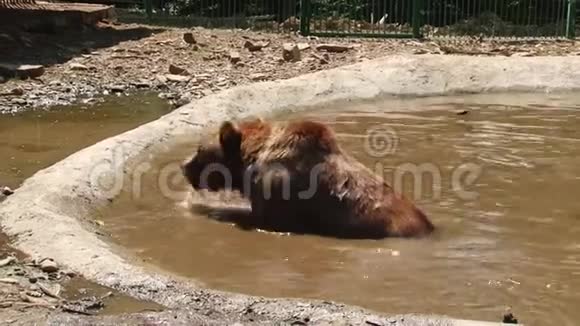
(509, 318)
(78, 67)
(176, 70)
(335, 48)
(48, 266)
(234, 57)
(291, 52)
(189, 38)
(7, 261)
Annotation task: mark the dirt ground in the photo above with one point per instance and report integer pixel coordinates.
(81, 65)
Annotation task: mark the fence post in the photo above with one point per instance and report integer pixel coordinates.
(571, 20)
(305, 17)
(149, 8)
(417, 17)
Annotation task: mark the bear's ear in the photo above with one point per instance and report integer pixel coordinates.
(230, 138)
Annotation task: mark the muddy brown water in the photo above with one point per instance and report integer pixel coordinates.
(33, 140)
(516, 243)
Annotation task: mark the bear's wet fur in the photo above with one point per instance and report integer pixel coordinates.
(299, 180)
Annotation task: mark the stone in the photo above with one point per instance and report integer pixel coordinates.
(176, 70)
(255, 46)
(234, 57)
(30, 71)
(177, 78)
(303, 46)
(142, 84)
(336, 48)
(117, 88)
(78, 67)
(189, 38)
(48, 266)
(6, 191)
(7, 261)
(161, 79)
(322, 59)
(14, 92)
(19, 101)
(291, 52)
(258, 77)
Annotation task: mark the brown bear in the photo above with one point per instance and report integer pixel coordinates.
(299, 180)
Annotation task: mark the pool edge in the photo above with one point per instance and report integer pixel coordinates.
(45, 215)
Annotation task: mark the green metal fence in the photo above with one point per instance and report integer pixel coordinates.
(270, 15)
(414, 18)
(375, 18)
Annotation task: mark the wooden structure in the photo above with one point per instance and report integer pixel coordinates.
(35, 14)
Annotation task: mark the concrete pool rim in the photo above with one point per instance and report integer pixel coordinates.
(48, 215)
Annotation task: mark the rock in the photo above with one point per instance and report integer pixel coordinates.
(234, 57)
(6, 191)
(303, 46)
(117, 88)
(70, 274)
(19, 101)
(9, 280)
(177, 78)
(175, 70)
(291, 52)
(2, 79)
(257, 46)
(51, 291)
(509, 318)
(48, 266)
(30, 71)
(142, 84)
(189, 38)
(258, 77)
(323, 59)
(161, 79)
(17, 91)
(336, 48)
(78, 67)
(7, 261)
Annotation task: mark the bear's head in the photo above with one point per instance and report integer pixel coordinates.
(217, 167)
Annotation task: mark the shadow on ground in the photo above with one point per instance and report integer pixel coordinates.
(50, 46)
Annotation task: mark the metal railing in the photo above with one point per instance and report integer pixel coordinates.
(373, 18)
(414, 18)
(270, 15)
(11, 3)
